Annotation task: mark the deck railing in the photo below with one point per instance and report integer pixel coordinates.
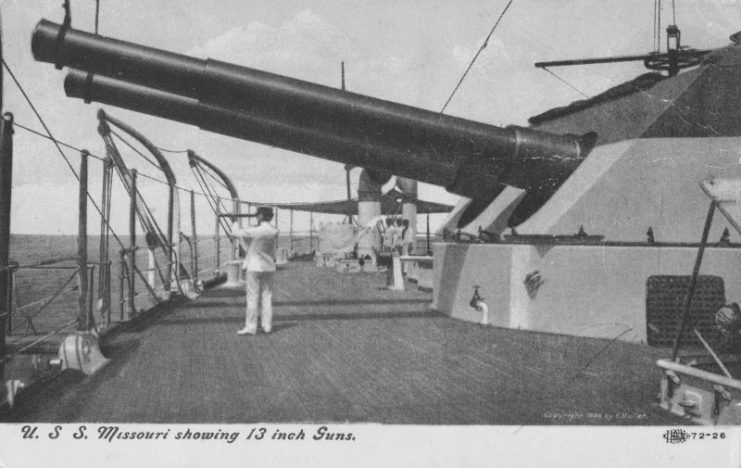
(46, 299)
(107, 278)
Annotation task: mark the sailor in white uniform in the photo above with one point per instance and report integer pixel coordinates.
(260, 265)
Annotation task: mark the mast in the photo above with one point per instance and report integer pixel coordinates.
(348, 167)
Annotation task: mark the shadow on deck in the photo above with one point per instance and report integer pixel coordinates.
(382, 357)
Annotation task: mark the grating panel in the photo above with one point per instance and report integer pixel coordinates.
(665, 297)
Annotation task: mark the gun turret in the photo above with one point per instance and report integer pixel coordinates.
(466, 157)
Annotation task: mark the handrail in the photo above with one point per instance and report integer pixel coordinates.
(47, 301)
(699, 373)
(46, 313)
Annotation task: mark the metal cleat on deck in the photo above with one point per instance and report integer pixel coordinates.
(81, 351)
(189, 289)
(12, 387)
(233, 280)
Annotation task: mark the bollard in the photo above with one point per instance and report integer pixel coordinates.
(81, 351)
(233, 270)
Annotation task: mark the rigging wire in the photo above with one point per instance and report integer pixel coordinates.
(212, 198)
(99, 158)
(214, 201)
(199, 171)
(565, 82)
(216, 179)
(140, 174)
(144, 156)
(216, 209)
(59, 148)
(146, 217)
(118, 163)
(470, 65)
(143, 212)
(41, 120)
(66, 145)
(102, 159)
(59, 143)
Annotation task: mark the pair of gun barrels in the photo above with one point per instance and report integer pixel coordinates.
(468, 158)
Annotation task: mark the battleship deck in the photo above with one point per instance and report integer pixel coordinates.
(346, 349)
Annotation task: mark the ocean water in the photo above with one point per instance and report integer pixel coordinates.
(35, 285)
(35, 312)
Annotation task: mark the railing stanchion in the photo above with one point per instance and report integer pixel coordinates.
(104, 274)
(82, 271)
(429, 251)
(132, 249)
(6, 179)
(193, 238)
(90, 297)
(311, 231)
(121, 280)
(152, 269)
(11, 300)
(236, 209)
(217, 242)
(693, 281)
(173, 260)
(107, 296)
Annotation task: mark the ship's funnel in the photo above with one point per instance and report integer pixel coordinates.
(466, 157)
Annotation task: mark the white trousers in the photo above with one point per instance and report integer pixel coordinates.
(259, 299)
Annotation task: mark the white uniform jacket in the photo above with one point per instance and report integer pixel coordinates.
(260, 242)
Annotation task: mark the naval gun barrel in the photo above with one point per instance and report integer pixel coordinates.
(466, 157)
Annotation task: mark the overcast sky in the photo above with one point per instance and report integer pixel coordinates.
(412, 52)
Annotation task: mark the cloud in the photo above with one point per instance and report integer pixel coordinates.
(388, 52)
(305, 47)
(309, 48)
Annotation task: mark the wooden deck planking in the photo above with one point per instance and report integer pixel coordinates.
(344, 349)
